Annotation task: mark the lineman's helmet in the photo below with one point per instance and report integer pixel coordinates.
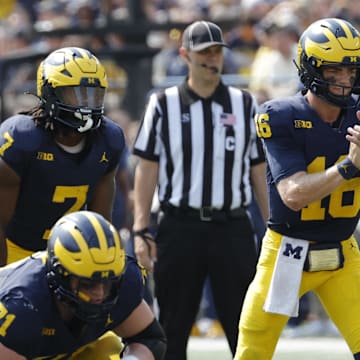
(86, 246)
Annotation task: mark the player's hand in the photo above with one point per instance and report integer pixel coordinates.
(145, 249)
(353, 136)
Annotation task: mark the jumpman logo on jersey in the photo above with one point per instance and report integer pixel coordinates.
(109, 320)
(104, 158)
(345, 167)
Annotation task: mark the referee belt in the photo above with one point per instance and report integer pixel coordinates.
(206, 213)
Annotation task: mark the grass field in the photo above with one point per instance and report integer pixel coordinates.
(331, 348)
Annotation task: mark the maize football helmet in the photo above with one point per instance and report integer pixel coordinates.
(71, 83)
(86, 246)
(328, 42)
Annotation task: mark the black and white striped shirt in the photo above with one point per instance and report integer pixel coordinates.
(204, 147)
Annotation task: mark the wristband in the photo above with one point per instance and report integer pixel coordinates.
(347, 169)
(141, 232)
(146, 238)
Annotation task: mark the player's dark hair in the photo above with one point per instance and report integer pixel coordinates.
(40, 117)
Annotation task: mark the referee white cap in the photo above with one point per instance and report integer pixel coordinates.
(201, 35)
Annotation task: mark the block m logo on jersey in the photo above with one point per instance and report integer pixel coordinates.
(293, 251)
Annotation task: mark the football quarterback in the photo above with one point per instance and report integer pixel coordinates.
(312, 144)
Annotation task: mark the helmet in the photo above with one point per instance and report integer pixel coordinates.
(328, 42)
(71, 83)
(86, 246)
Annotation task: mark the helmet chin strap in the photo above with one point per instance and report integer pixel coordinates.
(85, 116)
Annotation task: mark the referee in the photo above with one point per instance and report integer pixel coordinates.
(197, 142)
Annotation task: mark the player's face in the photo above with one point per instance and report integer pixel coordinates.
(341, 78)
(94, 292)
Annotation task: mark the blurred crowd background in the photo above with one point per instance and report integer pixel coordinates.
(137, 41)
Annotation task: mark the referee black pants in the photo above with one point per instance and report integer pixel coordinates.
(190, 249)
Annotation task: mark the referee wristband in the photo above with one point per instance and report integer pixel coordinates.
(347, 169)
(146, 238)
(141, 232)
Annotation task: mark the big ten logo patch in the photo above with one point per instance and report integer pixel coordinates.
(302, 124)
(45, 156)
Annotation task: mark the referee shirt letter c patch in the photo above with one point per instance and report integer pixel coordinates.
(230, 143)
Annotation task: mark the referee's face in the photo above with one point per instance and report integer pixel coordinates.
(207, 62)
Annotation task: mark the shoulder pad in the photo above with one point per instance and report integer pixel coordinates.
(22, 129)
(114, 134)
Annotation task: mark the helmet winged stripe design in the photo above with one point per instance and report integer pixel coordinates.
(85, 246)
(73, 67)
(90, 256)
(330, 47)
(71, 83)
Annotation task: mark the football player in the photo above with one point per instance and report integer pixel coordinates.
(59, 157)
(74, 300)
(312, 143)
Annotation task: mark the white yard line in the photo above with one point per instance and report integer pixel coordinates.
(320, 344)
(331, 345)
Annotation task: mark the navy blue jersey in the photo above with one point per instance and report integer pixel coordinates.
(30, 323)
(53, 182)
(296, 139)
